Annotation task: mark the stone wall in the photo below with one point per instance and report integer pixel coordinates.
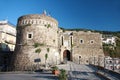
(38, 35)
(82, 45)
(34, 39)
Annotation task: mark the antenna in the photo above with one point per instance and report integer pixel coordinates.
(44, 12)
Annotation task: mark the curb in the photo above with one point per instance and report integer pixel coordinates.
(18, 72)
(101, 75)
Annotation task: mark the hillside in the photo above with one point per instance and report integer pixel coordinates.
(112, 50)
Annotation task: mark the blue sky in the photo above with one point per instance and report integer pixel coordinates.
(88, 14)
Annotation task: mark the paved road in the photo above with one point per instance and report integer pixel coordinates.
(27, 76)
(80, 72)
(75, 72)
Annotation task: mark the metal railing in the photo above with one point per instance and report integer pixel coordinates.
(107, 63)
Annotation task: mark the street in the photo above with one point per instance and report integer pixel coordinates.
(80, 72)
(74, 71)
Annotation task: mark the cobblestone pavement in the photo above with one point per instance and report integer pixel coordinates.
(27, 76)
(80, 72)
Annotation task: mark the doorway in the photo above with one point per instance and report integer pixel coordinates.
(67, 55)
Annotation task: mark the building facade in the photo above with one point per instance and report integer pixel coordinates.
(7, 43)
(109, 39)
(7, 36)
(39, 35)
(80, 46)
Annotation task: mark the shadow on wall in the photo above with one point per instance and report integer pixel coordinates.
(4, 47)
(5, 56)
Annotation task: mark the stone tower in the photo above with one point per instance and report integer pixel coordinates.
(36, 37)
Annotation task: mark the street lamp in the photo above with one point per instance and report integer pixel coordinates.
(56, 55)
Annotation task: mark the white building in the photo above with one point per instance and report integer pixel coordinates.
(108, 39)
(7, 36)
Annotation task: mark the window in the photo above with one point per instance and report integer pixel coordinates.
(29, 35)
(43, 22)
(26, 22)
(39, 22)
(81, 41)
(62, 40)
(92, 41)
(71, 40)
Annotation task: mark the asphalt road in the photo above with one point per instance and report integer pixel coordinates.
(27, 76)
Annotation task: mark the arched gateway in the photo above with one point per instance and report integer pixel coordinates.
(67, 56)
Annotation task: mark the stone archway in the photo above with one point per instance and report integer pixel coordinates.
(67, 55)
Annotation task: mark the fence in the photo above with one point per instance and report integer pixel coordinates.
(106, 62)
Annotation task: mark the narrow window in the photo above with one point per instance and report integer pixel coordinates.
(29, 35)
(62, 40)
(39, 22)
(71, 40)
(81, 41)
(26, 22)
(32, 22)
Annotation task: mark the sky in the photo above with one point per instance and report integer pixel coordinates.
(101, 15)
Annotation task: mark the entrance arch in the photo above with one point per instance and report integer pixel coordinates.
(67, 55)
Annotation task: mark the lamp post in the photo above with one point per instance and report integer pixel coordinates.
(56, 55)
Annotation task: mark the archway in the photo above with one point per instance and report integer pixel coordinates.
(67, 55)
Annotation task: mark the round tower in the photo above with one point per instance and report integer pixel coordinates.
(37, 41)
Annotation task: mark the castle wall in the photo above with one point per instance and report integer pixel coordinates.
(38, 35)
(84, 45)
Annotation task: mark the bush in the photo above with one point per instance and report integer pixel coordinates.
(62, 75)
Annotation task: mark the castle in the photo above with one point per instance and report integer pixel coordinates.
(40, 41)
